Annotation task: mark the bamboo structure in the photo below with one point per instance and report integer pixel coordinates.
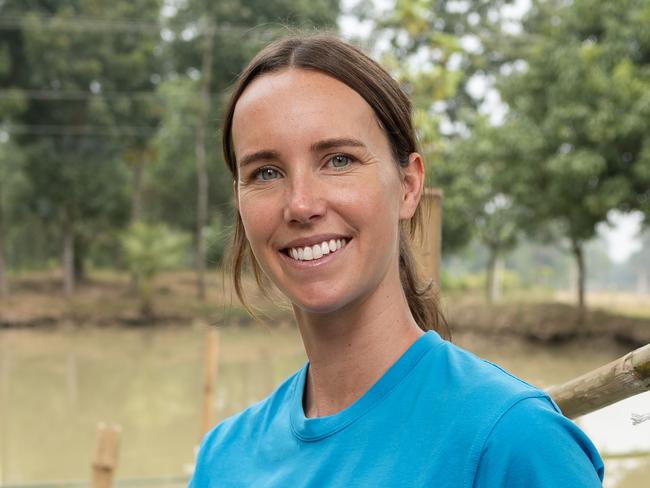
(431, 239)
(105, 459)
(611, 383)
(210, 369)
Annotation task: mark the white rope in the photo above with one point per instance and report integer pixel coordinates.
(637, 419)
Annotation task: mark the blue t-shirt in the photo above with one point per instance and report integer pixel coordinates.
(439, 417)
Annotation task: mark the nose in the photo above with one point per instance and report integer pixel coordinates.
(305, 201)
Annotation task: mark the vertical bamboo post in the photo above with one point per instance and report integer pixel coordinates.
(105, 459)
(210, 366)
(5, 376)
(72, 380)
(431, 241)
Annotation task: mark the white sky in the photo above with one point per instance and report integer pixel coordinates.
(622, 236)
(621, 233)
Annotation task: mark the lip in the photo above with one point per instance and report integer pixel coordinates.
(312, 240)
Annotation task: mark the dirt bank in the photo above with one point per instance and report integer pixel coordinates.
(547, 322)
(108, 299)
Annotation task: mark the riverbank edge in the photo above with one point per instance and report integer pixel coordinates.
(550, 323)
(109, 299)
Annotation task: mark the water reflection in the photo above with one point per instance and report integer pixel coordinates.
(56, 385)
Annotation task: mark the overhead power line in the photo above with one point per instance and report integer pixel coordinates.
(76, 95)
(80, 130)
(79, 23)
(81, 95)
(95, 24)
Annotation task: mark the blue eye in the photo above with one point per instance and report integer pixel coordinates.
(340, 161)
(267, 174)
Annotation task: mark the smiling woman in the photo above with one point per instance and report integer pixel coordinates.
(328, 181)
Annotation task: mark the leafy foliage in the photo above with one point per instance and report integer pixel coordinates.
(150, 249)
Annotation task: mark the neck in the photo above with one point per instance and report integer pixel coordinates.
(350, 349)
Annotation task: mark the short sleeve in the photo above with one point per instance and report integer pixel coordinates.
(533, 446)
(199, 477)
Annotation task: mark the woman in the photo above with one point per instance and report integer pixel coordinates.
(327, 180)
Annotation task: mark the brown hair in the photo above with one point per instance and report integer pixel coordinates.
(346, 63)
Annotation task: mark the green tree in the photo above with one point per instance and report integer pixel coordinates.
(479, 168)
(12, 190)
(150, 249)
(580, 116)
(437, 49)
(79, 76)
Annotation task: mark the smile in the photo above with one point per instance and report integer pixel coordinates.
(317, 251)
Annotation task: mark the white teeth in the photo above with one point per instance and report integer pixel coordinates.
(316, 251)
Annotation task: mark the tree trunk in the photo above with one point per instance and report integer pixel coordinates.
(136, 210)
(578, 254)
(641, 283)
(79, 259)
(201, 163)
(145, 291)
(4, 290)
(494, 272)
(136, 198)
(68, 256)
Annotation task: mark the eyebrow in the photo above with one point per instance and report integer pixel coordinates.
(258, 155)
(336, 142)
(315, 147)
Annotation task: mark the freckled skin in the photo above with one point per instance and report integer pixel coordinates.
(286, 112)
(351, 310)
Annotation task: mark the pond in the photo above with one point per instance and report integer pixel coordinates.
(57, 384)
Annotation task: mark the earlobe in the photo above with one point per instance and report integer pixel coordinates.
(412, 185)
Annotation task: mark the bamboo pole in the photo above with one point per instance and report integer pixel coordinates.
(5, 376)
(210, 369)
(613, 382)
(105, 459)
(73, 380)
(431, 239)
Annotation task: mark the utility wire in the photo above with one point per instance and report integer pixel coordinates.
(94, 24)
(51, 22)
(80, 130)
(79, 95)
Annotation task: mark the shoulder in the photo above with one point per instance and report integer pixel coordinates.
(513, 432)
(476, 378)
(533, 445)
(472, 388)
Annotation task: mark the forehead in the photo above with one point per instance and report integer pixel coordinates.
(297, 105)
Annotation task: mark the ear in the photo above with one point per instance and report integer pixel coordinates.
(412, 185)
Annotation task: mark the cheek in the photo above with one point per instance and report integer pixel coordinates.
(386, 196)
(372, 202)
(257, 218)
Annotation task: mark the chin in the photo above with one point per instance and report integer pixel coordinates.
(318, 304)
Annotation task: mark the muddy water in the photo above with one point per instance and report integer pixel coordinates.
(55, 386)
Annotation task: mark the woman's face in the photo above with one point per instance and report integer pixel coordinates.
(316, 172)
